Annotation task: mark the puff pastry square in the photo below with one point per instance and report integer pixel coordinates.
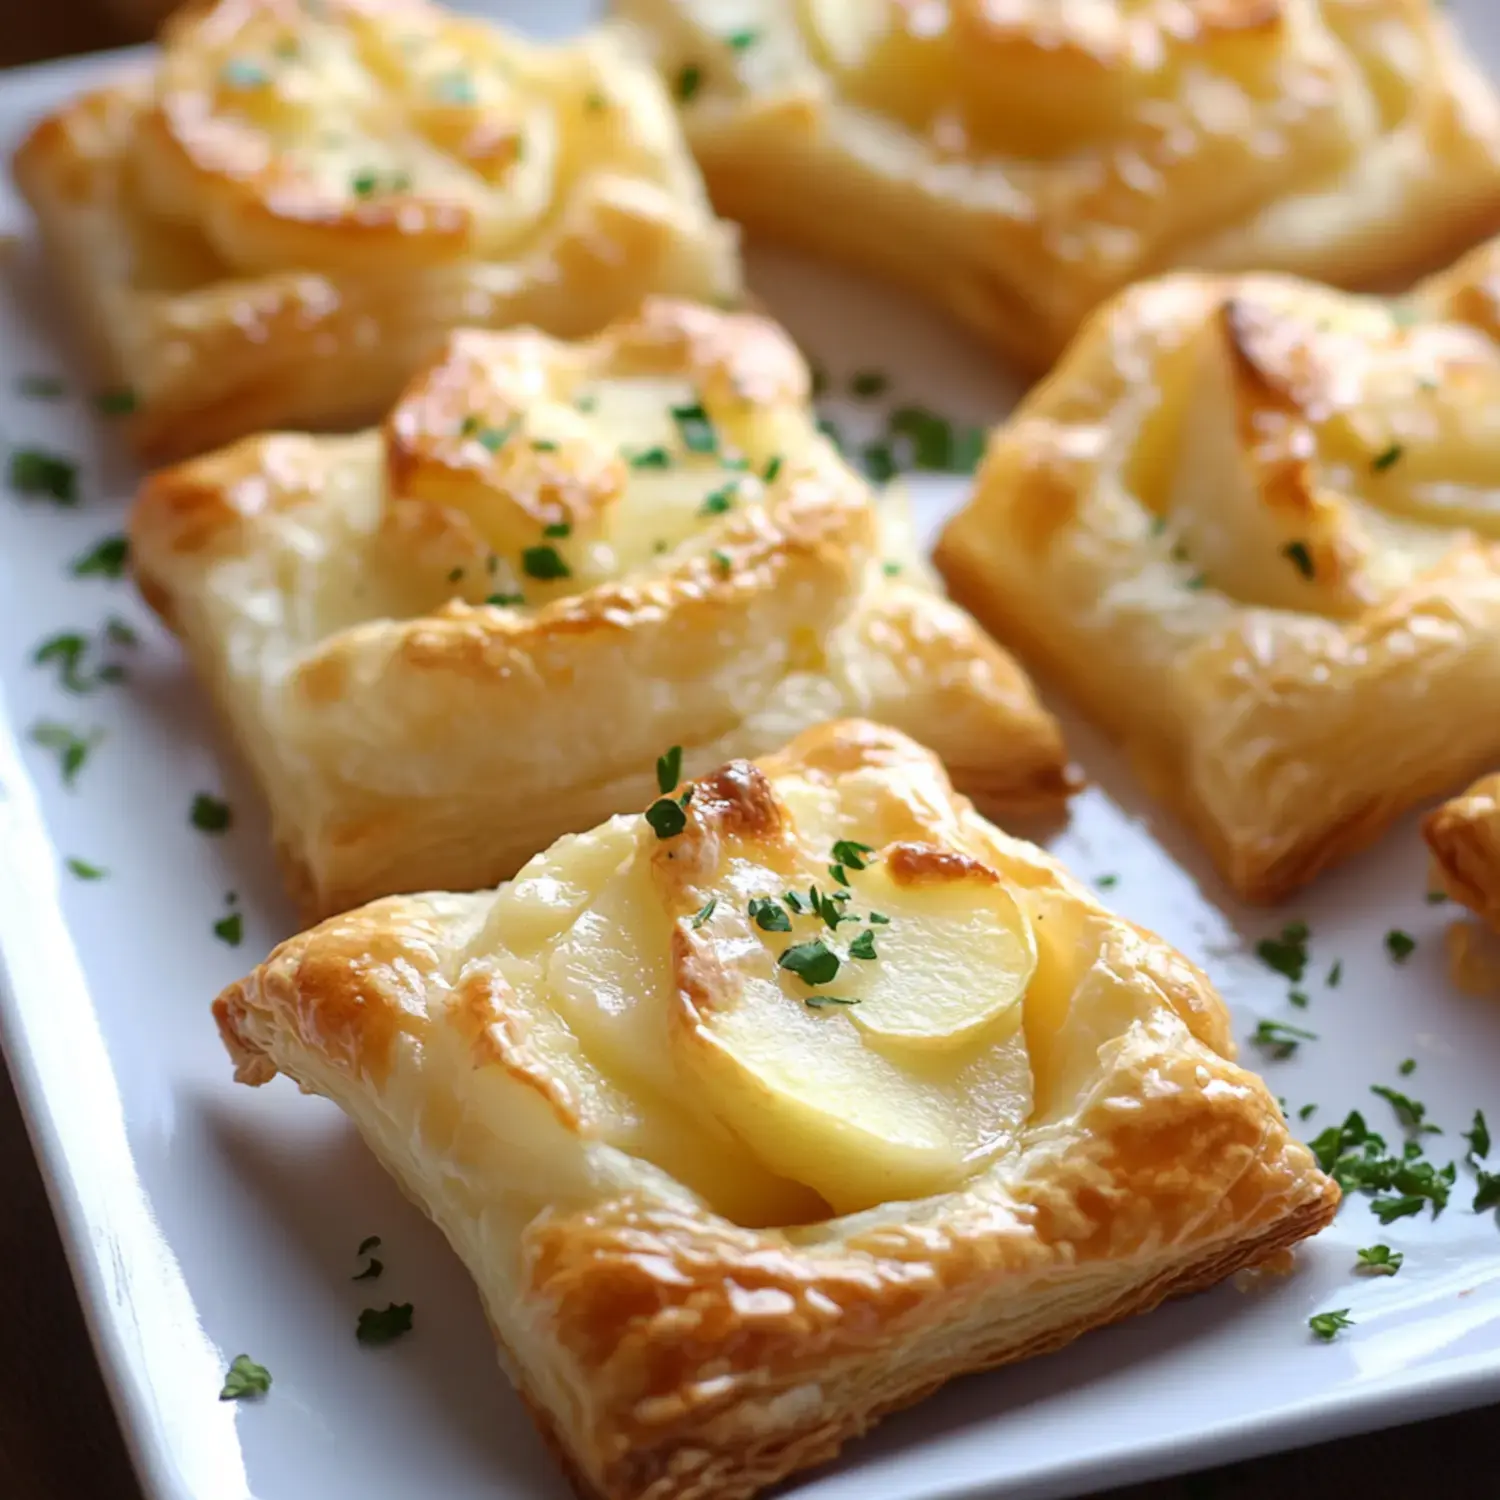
(1464, 836)
(281, 219)
(726, 1209)
(1018, 163)
(446, 642)
(1250, 524)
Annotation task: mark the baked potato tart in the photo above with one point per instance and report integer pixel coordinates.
(1018, 163)
(1250, 525)
(283, 215)
(758, 1121)
(443, 643)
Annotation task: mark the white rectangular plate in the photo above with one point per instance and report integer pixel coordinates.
(204, 1219)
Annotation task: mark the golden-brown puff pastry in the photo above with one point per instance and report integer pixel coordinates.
(281, 219)
(1018, 163)
(726, 1209)
(445, 643)
(1464, 836)
(1251, 524)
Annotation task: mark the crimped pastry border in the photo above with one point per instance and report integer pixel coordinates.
(1464, 837)
(671, 1355)
(1252, 729)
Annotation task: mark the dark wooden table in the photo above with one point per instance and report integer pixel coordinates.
(58, 1437)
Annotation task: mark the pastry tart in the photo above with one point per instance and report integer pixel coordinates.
(744, 1151)
(1464, 836)
(1018, 163)
(281, 218)
(444, 643)
(1251, 525)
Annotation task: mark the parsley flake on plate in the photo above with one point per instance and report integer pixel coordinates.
(650, 458)
(380, 1326)
(1478, 1136)
(244, 1378)
(210, 814)
(704, 912)
(812, 963)
(716, 502)
(1280, 1039)
(1436, 898)
(1408, 1067)
(1387, 458)
(116, 403)
(739, 41)
(863, 946)
(1400, 945)
(868, 383)
(689, 80)
(105, 559)
(1326, 1325)
(230, 929)
(1486, 1190)
(1379, 1260)
(669, 770)
(83, 870)
(34, 471)
(1286, 954)
(1411, 1113)
(71, 748)
(375, 1266)
(851, 853)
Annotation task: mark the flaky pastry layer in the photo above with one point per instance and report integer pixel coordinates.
(282, 217)
(1250, 524)
(1017, 164)
(445, 643)
(1464, 836)
(557, 1072)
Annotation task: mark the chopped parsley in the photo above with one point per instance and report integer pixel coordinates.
(1388, 1210)
(689, 80)
(722, 562)
(41, 387)
(1387, 458)
(83, 870)
(1408, 1067)
(1307, 1111)
(739, 41)
(244, 1378)
(879, 462)
(595, 102)
(1400, 945)
(868, 383)
(1380, 1260)
(1298, 998)
(380, 1327)
(704, 912)
(1280, 1039)
(716, 502)
(364, 182)
(695, 429)
(880, 919)
(772, 469)
(890, 569)
(1287, 955)
(34, 471)
(210, 814)
(71, 748)
(230, 929)
(669, 770)
(545, 445)
(116, 403)
(1436, 898)
(650, 458)
(936, 444)
(863, 946)
(1335, 974)
(1326, 1325)
(495, 438)
(68, 651)
(767, 914)
(1107, 882)
(814, 1001)
(849, 852)
(375, 1265)
(666, 817)
(105, 559)
(544, 562)
(505, 601)
(1478, 1136)
(812, 963)
(1411, 1113)
(1300, 558)
(830, 429)
(1486, 1190)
